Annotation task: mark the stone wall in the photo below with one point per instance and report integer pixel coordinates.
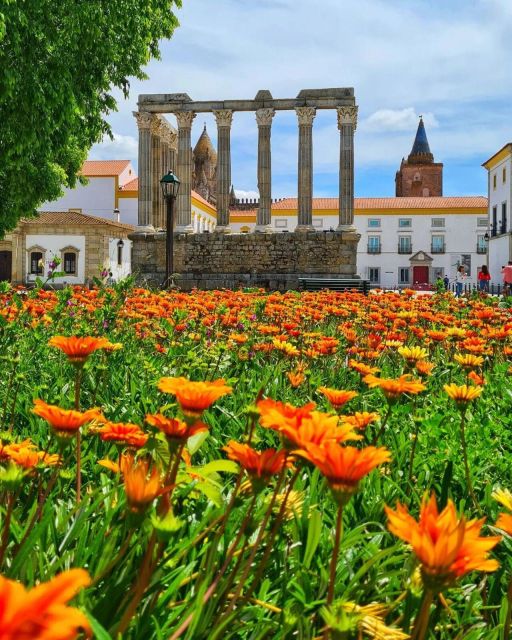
(270, 260)
(430, 179)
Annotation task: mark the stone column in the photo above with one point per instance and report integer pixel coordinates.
(172, 141)
(156, 126)
(347, 122)
(264, 215)
(306, 116)
(223, 118)
(164, 168)
(184, 173)
(145, 203)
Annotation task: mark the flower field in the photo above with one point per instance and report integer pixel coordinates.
(251, 465)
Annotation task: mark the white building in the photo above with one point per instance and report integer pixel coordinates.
(499, 167)
(404, 241)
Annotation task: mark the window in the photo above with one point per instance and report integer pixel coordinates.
(373, 244)
(70, 263)
(439, 222)
(36, 263)
(374, 274)
(494, 229)
(404, 244)
(403, 275)
(119, 255)
(504, 175)
(69, 260)
(494, 181)
(281, 224)
(437, 244)
(318, 223)
(374, 222)
(481, 222)
(404, 222)
(481, 244)
(503, 217)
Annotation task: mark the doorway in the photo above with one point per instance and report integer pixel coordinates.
(5, 265)
(420, 275)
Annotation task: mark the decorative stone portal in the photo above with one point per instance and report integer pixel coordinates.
(263, 258)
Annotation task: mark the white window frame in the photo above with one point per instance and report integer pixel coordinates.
(482, 222)
(373, 226)
(69, 249)
(407, 240)
(281, 223)
(377, 271)
(438, 223)
(318, 223)
(377, 241)
(404, 223)
(402, 280)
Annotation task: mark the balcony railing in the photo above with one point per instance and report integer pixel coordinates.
(404, 248)
(374, 249)
(481, 249)
(438, 248)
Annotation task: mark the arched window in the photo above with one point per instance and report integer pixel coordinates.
(36, 259)
(69, 257)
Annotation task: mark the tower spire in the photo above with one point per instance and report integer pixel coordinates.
(420, 152)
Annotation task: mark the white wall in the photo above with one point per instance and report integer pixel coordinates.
(500, 252)
(97, 198)
(125, 268)
(502, 192)
(53, 245)
(127, 211)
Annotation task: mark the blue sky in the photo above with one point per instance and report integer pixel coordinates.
(446, 59)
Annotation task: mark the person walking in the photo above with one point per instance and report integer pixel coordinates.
(483, 278)
(460, 278)
(507, 279)
(446, 281)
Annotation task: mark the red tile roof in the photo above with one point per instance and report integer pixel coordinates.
(96, 168)
(457, 202)
(132, 185)
(73, 218)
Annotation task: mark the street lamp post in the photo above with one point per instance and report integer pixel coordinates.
(486, 240)
(170, 187)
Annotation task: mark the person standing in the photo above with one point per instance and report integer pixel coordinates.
(483, 279)
(460, 278)
(446, 281)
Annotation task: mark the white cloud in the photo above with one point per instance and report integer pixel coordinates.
(397, 120)
(240, 194)
(121, 147)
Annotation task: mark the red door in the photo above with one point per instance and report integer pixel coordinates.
(420, 275)
(5, 265)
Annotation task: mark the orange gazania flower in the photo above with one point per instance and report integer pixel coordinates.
(296, 378)
(424, 368)
(65, 422)
(41, 613)
(123, 433)
(79, 349)
(258, 464)
(142, 483)
(504, 522)
(337, 397)
(448, 547)
(462, 394)
(362, 368)
(344, 467)
(173, 428)
(468, 360)
(360, 419)
(194, 397)
(392, 388)
(275, 414)
(476, 378)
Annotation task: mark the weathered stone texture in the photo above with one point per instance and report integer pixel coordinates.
(274, 261)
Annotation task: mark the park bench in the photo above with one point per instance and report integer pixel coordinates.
(336, 284)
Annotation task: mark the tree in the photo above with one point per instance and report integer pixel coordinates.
(59, 61)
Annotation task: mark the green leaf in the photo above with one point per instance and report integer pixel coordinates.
(99, 631)
(314, 533)
(196, 442)
(217, 466)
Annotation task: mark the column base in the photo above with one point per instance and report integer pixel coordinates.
(187, 228)
(350, 228)
(304, 228)
(144, 228)
(263, 228)
(222, 229)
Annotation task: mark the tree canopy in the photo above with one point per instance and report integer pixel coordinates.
(59, 61)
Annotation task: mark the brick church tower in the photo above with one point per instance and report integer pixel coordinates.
(419, 175)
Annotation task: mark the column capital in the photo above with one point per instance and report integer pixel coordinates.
(347, 115)
(223, 117)
(306, 115)
(185, 119)
(170, 137)
(264, 116)
(144, 119)
(157, 127)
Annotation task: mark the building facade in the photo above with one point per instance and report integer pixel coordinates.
(499, 168)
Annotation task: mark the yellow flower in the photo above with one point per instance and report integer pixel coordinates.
(504, 497)
(413, 354)
(462, 394)
(468, 360)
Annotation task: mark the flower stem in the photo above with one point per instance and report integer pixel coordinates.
(383, 425)
(335, 551)
(7, 526)
(78, 383)
(465, 455)
(508, 619)
(413, 449)
(421, 623)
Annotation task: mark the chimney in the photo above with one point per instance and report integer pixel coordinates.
(117, 215)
